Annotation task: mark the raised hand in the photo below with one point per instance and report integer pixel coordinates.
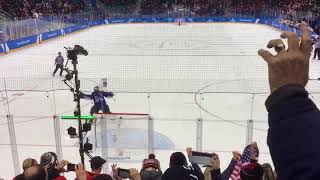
(289, 66)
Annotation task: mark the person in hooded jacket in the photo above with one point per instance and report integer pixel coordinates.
(180, 170)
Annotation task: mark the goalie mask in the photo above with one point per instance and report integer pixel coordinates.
(96, 89)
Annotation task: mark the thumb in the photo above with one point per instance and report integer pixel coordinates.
(266, 55)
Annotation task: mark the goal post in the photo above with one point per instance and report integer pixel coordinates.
(122, 137)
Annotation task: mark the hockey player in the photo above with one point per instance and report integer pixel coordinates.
(98, 98)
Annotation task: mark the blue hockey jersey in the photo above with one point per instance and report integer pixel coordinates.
(98, 98)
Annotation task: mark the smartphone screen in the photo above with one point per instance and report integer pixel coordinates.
(123, 173)
(71, 167)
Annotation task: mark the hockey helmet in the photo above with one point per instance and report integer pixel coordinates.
(96, 88)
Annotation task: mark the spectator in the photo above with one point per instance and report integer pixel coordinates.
(134, 173)
(179, 169)
(103, 177)
(268, 173)
(36, 172)
(252, 171)
(81, 172)
(213, 172)
(50, 161)
(26, 164)
(293, 117)
(151, 169)
(96, 164)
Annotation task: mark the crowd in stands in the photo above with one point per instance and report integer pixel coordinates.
(181, 167)
(126, 6)
(34, 8)
(29, 8)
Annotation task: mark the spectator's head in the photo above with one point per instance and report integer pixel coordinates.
(151, 169)
(102, 177)
(59, 53)
(49, 160)
(96, 164)
(177, 159)
(35, 172)
(28, 163)
(151, 163)
(252, 171)
(268, 173)
(152, 156)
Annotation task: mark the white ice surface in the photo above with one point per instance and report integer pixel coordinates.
(146, 58)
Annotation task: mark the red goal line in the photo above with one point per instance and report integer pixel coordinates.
(128, 114)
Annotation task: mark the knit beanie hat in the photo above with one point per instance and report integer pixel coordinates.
(151, 162)
(48, 160)
(177, 159)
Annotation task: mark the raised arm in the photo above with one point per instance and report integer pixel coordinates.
(108, 94)
(86, 96)
(294, 120)
(228, 171)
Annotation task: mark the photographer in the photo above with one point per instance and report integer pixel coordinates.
(179, 169)
(50, 161)
(212, 172)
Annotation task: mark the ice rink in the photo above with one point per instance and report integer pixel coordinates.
(177, 74)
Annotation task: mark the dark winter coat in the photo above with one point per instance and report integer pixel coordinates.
(294, 131)
(150, 175)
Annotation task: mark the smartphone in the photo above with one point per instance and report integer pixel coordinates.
(124, 173)
(202, 154)
(201, 158)
(71, 167)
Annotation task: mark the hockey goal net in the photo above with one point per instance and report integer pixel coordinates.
(122, 137)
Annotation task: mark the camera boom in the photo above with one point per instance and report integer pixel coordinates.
(72, 54)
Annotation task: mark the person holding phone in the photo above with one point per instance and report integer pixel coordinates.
(81, 174)
(96, 164)
(53, 167)
(119, 173)
(212, 170)
(179, 169)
